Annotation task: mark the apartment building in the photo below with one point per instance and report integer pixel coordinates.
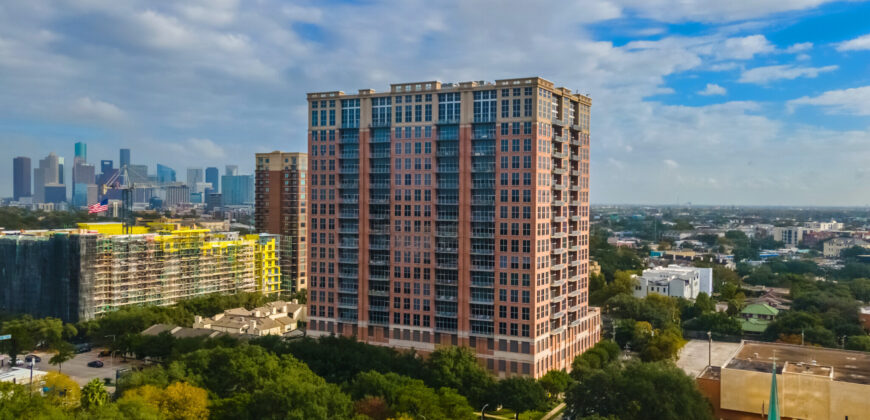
(280, 209)
(79, 274)
(453, 214)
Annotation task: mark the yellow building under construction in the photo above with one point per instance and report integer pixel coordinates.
(96, 269)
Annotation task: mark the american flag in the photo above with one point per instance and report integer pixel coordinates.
(99, 207)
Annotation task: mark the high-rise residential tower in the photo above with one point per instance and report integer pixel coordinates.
(281, 209)
(453, 214)
(21, 178)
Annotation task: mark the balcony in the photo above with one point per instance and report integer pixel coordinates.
(349, 184)
(348, 260)
(559, 122)
(348, 290)
(383, 122)
(483, 167)
(441, 199)
(446, 233)
(446, 249)
(347, 305)
(480, 317)
(349, 229)
(560, 171)
(482, 200)
(379, 200)
(445, 298)
(379, 308)
(482, 251)
(379, 261)
(560, 155)
(557, 315)
(557, 267)
(449, 217)
(378, 292)
(379, 277)
(382, 246)
(378, 185)
(349, 155)
(557, 283)
(349, 170)
(379, 216)
(575, 292)
(558, 235)
(559, 139)
(446, 282)
(448, 120)
(349, 199)
(445, 314)
(448, 185)
(380, 169)
(483, 300)
(447, 152)
(380, 154)
(482, 234)
(348, 215)
(446, 265)
(557, 331)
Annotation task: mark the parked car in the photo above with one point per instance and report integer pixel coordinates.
(95, 364)
(105, 353)
(83, 348)
(32, 358)
(19, 362)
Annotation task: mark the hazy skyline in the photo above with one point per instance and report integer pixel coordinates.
(762, 102)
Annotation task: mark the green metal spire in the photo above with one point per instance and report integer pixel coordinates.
(773, 412)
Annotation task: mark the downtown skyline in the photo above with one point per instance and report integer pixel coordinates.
(746, 104)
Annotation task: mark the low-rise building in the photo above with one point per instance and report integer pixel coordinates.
(812, 382)
(756, 317)
(791, 236)
(833, 225)
(273, 318)
(833, 247)
(674, 280)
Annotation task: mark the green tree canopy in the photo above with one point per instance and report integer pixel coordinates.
(457, 368)
(635, 392)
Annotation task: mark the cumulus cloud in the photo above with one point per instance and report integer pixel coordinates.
(670, 163)
(767, 74)
(860, 43)
(799, 47)
(210, 82)
(92, 109)
(712, 89)
(846, 101)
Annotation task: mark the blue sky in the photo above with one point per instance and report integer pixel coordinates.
(739, 102)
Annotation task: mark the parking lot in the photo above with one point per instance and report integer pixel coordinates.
(77, 368)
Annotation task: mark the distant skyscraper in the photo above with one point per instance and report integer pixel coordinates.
(232, 170)
(106, 166)
(84, 184)
(165, 174)
(138, 173)
(462, 220)
(194, 176)
(125, 158)
(280, 209)
(20, 178)
(212, 176)
(81, 152)
(237, 190)
(60, 171)
(49, 172)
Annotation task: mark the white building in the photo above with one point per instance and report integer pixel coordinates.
(675, 281)
(833, 225)
(833, 247)
(790, 235)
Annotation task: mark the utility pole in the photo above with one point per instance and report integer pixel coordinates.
(710, 349)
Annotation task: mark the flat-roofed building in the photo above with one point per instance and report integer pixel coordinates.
(812, 382)
(453, 214)
(280, 209)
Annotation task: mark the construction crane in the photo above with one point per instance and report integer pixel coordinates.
(121, 181)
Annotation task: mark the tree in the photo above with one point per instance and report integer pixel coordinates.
(634, 392)
(521, 394)
(457, 368)
(62, 390)
(858, 342)
(64, 351)
(374, 407)
(716, 322)
(556, 382)
(94, 394)
(410, 396)
(179, 401)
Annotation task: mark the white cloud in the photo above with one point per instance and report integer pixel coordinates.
(670, 163)
(744, 48)
(766, 74)
(860, 43)
(93, 109)
(795, 48)
(715, 11)
(199, 148)
(712, 89)
(846, 101)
